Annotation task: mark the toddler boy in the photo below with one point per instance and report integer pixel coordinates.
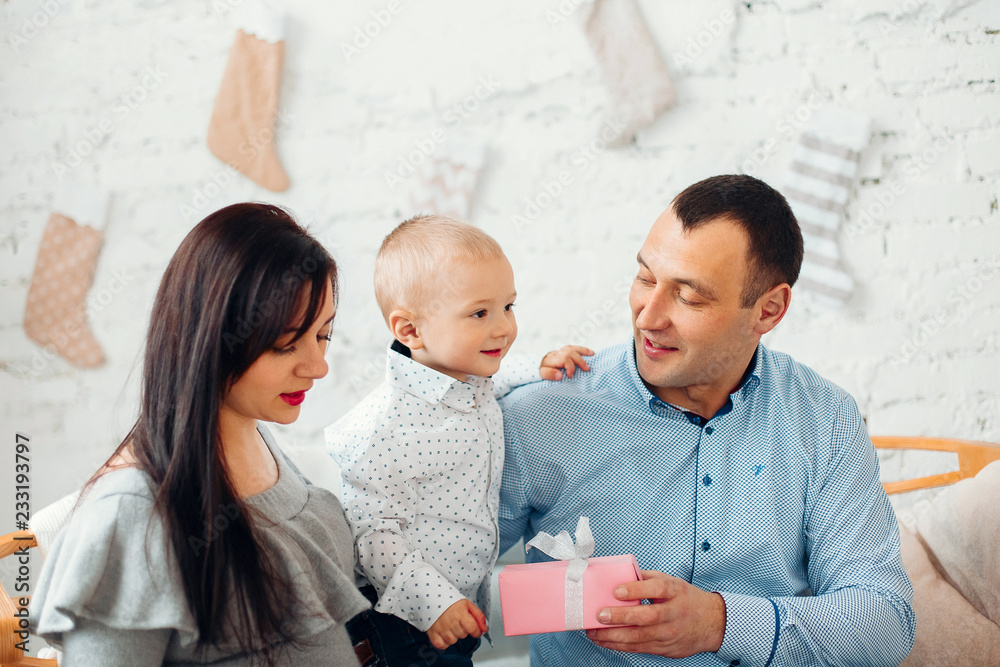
(421, 456)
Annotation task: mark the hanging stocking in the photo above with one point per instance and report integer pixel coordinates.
(817, 185)
(55, 315)
(241, 132)
(445, 181)
(633, 69)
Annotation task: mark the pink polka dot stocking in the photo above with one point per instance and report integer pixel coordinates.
(55, 316)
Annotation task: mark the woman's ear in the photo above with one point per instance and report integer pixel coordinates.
(404, 328)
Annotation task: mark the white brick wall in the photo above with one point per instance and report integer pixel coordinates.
(919, 75)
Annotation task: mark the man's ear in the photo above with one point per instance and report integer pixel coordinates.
(404, 328)
(771, 308)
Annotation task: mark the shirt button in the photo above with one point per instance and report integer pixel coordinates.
(708, 430)
(707, 480)
(734, 663)
(412, 616)
(705, 546)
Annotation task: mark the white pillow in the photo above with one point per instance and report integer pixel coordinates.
(961, 528)
(950, 632)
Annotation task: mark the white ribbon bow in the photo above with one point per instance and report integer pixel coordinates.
(561, 547)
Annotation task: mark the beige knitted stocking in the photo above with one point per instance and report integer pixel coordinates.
(446, 180)
(241, 132)
(631, 64)
(55, 315)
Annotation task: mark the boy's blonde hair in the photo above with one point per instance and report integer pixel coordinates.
(411, 257)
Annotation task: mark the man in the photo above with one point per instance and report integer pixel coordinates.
(744, 481)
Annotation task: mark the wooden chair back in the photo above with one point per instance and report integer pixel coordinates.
(973, 456)
(10, 654)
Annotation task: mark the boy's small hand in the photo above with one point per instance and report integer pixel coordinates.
(568, 357)
(462, 619)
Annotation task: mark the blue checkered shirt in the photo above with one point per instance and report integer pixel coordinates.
(774, 502)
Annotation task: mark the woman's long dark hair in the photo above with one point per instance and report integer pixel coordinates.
(236, 282)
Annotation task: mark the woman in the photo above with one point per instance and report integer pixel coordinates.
(198, 541)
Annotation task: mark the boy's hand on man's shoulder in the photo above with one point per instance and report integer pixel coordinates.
(462, 619)
(566, 358)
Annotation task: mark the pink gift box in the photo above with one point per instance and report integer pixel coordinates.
(532, 595)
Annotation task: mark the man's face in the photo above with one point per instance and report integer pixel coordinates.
(690, 329)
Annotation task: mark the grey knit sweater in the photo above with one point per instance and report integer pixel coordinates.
(110, 597)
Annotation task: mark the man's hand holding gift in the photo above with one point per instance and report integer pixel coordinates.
(682, 620)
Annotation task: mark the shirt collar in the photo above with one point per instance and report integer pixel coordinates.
(749, 382)
(751, 376)
(405, 374)
(633, 370)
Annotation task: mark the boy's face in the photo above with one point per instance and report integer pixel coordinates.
(467, 324)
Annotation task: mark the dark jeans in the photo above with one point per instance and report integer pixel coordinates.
(383, 640)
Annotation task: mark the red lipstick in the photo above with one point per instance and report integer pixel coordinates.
(294, 398)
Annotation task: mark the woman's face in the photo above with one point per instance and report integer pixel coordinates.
(274, 386)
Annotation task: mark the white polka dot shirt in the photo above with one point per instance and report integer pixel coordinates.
(420, 460)
(775, 502)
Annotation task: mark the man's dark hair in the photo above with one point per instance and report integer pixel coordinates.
(775, 251)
